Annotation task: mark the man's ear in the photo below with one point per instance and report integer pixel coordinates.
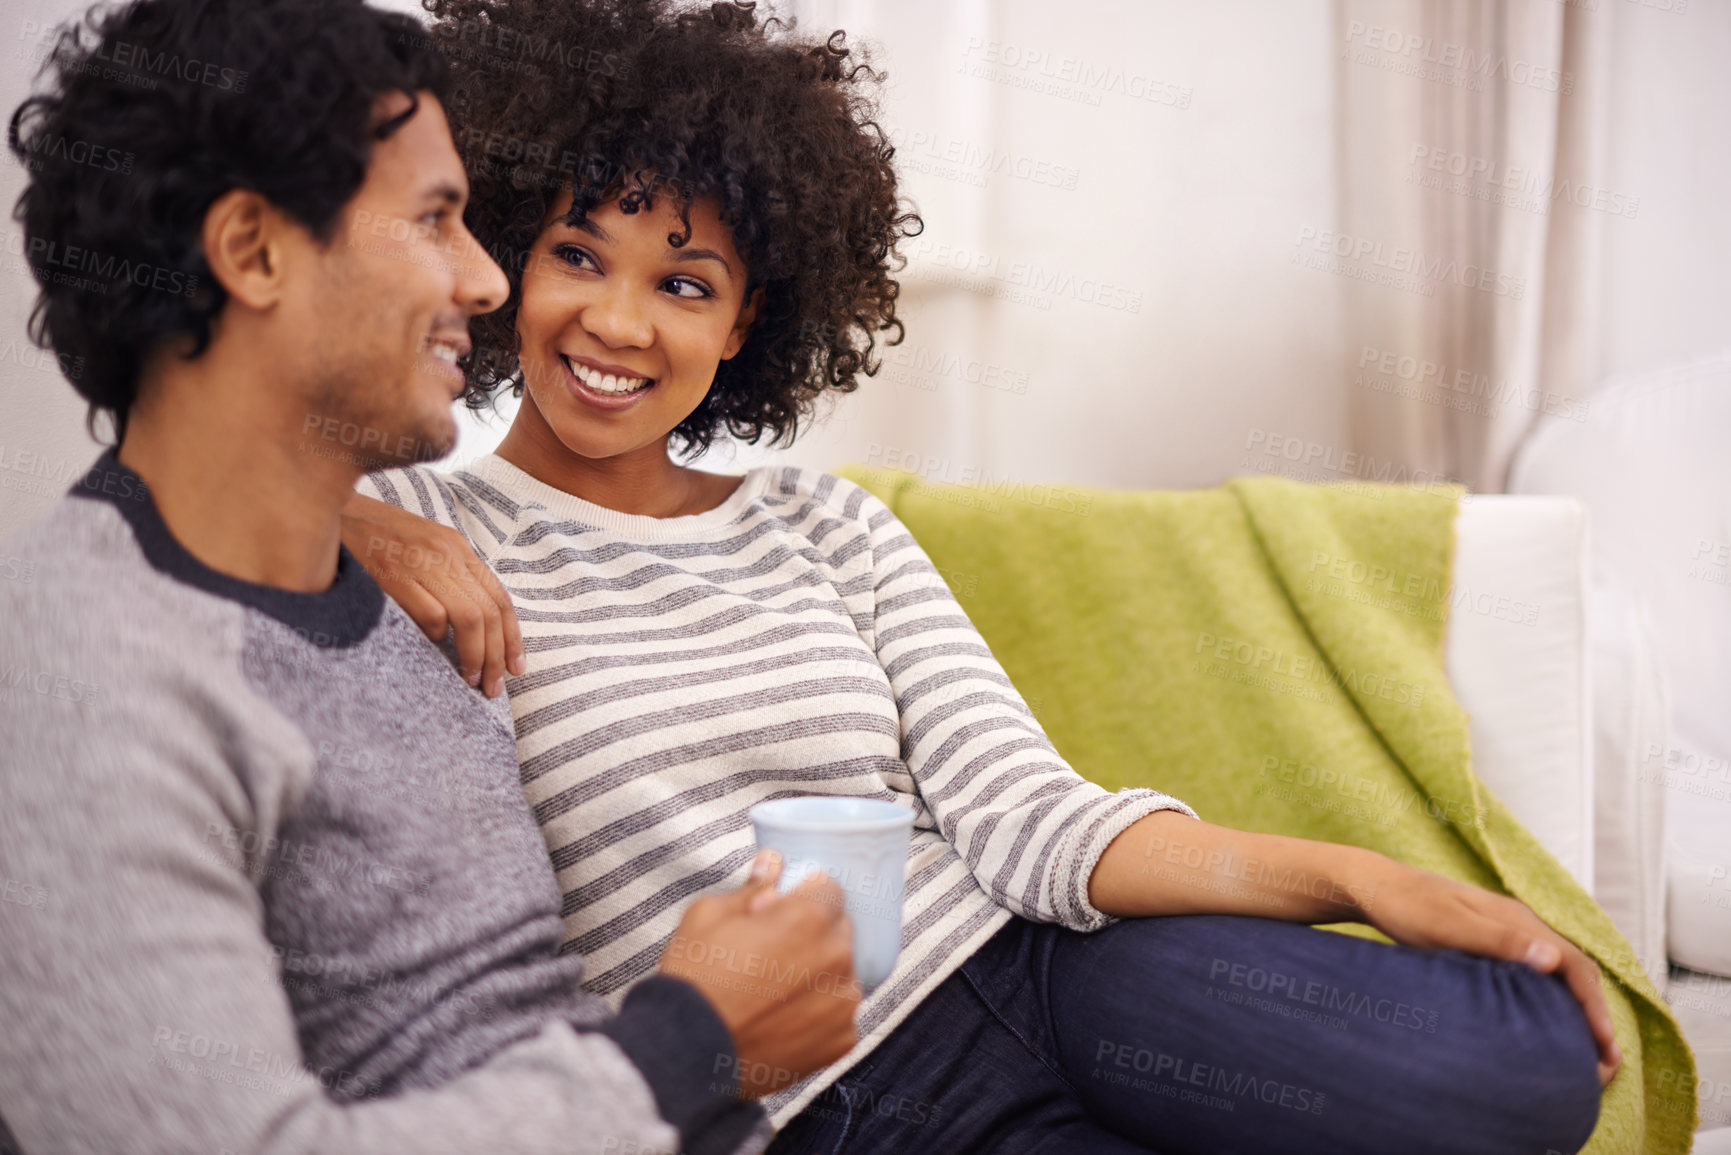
(742, 325)
(244, 245)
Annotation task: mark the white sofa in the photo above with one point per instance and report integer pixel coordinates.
(1559, 676)
(1522, 660)
(1564, 701)
(1529, 642)
(1649, 467)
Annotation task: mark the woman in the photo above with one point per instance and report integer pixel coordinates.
(699, 219)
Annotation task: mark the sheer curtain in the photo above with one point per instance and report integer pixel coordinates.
(1472, 133)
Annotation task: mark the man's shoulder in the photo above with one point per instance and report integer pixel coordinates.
(110, 669)
(84, 617)
(74, 565)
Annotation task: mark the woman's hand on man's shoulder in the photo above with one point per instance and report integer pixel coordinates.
(431, 571)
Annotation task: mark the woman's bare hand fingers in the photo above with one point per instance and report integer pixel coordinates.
(1532, 941)
(425, 610)
(504, 636)
(433, 573)
(1588, 985)
(1435, 912)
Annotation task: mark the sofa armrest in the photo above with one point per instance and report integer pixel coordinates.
(1516, 653)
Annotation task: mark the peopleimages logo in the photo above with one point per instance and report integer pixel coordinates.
(975, 487)
(925, 367)
(1485, 178)
(1357, 255)
(476, 40)
(944, 263)
(1330, 461)
(957, 159)
(1308, 668)
(1438, 383)
(254, 1068)
(106, 269)
(1457, 65)
(1172, 1072)
(1067, 77)
(48, 684)
(139, 60)
(1278, 984)
(46, 146)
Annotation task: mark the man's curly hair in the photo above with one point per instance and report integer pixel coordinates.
(637, 99)
(155, 108)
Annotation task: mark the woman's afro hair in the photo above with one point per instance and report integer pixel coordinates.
(635, 99)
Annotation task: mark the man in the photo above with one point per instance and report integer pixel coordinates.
(284, 893)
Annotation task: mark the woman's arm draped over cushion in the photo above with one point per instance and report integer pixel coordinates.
(1028, 826)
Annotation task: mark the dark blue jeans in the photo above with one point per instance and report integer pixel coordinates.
(1213, 1035)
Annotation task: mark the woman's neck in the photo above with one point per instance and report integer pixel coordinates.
(643, 481)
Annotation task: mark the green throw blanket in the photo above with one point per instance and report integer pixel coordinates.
(1272, 653)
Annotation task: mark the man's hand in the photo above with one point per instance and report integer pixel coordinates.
(778, 970)
(1416, 907)
(433, 573)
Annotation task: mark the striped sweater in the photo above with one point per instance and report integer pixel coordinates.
(793, 640)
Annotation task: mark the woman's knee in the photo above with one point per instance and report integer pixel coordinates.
(1537, 1054)
(1493, 1052)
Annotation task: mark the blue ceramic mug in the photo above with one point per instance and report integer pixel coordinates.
(862, 843)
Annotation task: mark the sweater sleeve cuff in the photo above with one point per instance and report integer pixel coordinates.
(685, 1053)
(1130, 806)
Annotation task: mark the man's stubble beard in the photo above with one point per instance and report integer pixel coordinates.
(358, 416)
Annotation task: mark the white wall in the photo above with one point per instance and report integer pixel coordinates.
(1187, 203)
(43, 445)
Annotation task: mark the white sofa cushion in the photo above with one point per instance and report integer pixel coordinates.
(1629, 719)
(1702, 1004)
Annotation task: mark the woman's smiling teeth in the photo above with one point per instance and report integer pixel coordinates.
(606, 382)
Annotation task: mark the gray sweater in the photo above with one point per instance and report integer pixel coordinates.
(268, 881)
